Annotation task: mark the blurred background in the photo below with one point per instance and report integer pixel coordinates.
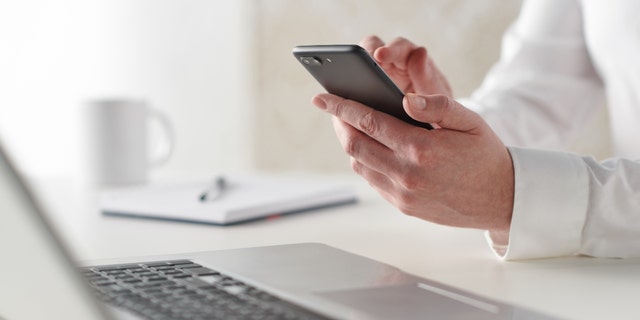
(221, 70)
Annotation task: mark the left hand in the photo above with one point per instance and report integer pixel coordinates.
(460, 174)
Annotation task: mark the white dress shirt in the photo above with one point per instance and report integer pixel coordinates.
(559, 60)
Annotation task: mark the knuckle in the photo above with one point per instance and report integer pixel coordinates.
(449, 103)
(369, 124)
(410, 182)
(371, 42)
(443, 101)
(340, 107)
(356, 166)
(417, 154)
(351, 145)
(440, 105)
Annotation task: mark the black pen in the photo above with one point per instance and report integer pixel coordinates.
(215, 190)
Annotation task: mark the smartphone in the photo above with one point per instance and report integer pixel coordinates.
(350, 72)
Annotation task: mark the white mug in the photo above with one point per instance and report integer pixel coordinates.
(118, 144)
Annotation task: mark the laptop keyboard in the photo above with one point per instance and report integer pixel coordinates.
(181, 289)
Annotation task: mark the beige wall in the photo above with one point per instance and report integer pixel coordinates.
(462, 36)
(222, 71)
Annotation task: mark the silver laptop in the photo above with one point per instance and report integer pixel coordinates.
(39, 280)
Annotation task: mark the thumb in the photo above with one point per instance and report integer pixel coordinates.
(443, 111)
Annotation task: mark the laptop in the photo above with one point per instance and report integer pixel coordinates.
(40, 280)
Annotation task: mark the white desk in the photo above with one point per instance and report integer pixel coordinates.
(573, 287)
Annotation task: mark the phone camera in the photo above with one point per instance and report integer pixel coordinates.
(311, 61)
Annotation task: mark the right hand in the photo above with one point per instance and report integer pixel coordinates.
(408, 65)
(460, 174)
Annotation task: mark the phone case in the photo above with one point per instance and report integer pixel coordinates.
(350, 72)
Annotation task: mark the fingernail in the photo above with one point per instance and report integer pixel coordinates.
(417, 102)
(319, 102)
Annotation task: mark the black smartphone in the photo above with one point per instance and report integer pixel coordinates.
(350, 72)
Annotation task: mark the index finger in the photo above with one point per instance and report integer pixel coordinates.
(396, 52)
(371, 43)
(384, 128)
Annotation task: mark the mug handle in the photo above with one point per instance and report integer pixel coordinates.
(169, 133)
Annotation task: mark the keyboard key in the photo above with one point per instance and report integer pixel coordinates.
(146, 274)
(145, 285)
(95, 276)
(201, 271)
(137, 270)
(156, 265)
(211, 279)
(188, 266)
(115, 272)
(156, 278)
(165, 268)
(110, 268)
(132, 281)
(195, 282)
(103, 283)
(172, 272)
(178, 262)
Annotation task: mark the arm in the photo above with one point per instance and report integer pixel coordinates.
(538, 95)
(462, 175)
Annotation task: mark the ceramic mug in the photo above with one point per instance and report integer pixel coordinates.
(118, 141)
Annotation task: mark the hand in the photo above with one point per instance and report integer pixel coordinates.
(408, 65)
(459, 174)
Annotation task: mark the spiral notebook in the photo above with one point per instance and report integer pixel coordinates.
(245, 198)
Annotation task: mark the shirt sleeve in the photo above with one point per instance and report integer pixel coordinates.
(551, 195)
(569, 204)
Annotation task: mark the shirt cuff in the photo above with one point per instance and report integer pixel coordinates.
(550, 205)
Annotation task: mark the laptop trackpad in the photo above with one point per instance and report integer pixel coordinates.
(414, 301)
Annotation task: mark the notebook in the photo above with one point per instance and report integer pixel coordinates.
(244, 198)
(292, 281)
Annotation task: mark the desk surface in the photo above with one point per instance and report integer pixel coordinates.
(572, 287)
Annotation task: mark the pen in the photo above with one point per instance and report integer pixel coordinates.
(215, 190)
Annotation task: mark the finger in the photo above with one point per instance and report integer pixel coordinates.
(371, 43)
(386, 129)
(364, 149)
(397, 52)
(443, 111)
(378, 181)
(426, 74)
(419, 68)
